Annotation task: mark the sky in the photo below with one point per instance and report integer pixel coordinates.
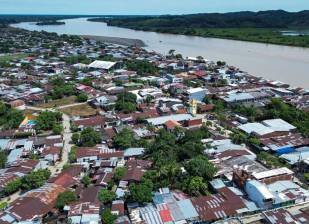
(144, 7)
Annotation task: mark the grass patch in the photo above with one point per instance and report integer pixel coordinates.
(271, 161)
(80, 110)
(10, 57)
(60, 102)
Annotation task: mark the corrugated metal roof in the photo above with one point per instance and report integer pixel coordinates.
(187, 209)
(163, 119)
(150, 215)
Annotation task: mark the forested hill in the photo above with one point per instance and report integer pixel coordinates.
(262, 19)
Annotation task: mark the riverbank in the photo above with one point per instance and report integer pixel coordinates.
(117, 40)
(261, 27)
(256, 35)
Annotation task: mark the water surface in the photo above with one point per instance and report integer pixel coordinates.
(274, 62)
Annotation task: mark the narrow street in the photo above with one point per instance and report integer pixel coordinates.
(67, 137)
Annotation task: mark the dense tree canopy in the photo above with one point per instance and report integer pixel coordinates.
(124, 139)
(126, 102)
(141, 67)
(35, 179)
(47, 120)
(108, 217)
(82, 97)
(174, 152)
(201, 167)
(89, 137)
(9, 117)
(65, 198)
(142, 192)
(106, 196)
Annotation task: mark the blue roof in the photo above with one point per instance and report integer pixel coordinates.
(134, 152)
(285, 150)
(187, 209)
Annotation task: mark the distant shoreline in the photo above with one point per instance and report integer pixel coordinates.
(117, 40)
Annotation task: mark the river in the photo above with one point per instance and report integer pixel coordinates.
(274, 62)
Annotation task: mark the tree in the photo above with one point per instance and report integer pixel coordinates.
(65, 198)
(75, 138)
(238, 138)
(196, 186)
(148, 99)
(171, 52)
(201, 167)
(106, 196)
(57, 129)
(72, 154)
(142, 192)
(10, 117)
(124, 139)
(142, 68)
(82, 97)
(47, 119)
(86, 180)
(35, 179)
(126, 102)
(119, 173)
(89, 138)
(12, 187)
(3, 159)
(125, 107)
(108, 217)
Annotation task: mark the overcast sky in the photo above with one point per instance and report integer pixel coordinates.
(117, 7)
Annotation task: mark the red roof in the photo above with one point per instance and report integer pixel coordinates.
(166, 216)
(218, 206)
(171, 124)
(87, 152)
(90, 122)
(65, 180)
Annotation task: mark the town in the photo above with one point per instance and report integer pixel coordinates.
(94, 132)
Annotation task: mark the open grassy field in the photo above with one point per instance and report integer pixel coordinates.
(10, 57)
(61, 102)
(80, 110)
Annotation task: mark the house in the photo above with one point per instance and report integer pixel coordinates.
(18, 104)
(222, 205)
(104, 101)
(246, 97)
(96, 122)
(103, 65)
(103, 178)
(84, 213)
(118, 207)
(174, 79)
(197, 94)
(271, 176)
(34, 205)
(268, 128)
(283, 216)
(158, 121)
(136, 170)
(133, 152)
(258, 193)
(87, 154)
(51, 154)
(174, 206)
